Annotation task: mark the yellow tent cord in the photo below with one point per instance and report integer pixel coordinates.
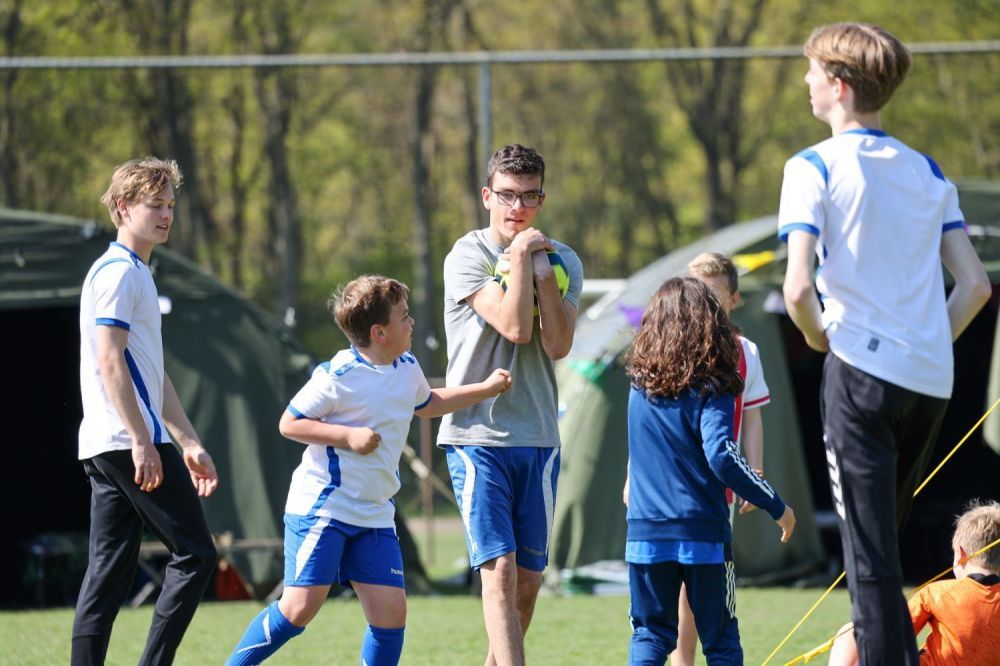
(820, 649)
(930, 476)
(952, 452)
(806, 616)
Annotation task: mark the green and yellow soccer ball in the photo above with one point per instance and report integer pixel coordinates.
(502, 270)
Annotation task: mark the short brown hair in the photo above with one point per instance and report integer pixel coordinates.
(715, 264)
(977, 528)
(136, 178)
(865, 57)
(685, 342)
(515, 160)
(363, 303)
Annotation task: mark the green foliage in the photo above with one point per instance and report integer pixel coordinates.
(631, 147)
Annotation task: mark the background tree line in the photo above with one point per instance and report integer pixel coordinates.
(298, 179)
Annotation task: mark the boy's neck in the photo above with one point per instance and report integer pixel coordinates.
(143, 250)
(374, 356)
(851, 120)
(968, 569)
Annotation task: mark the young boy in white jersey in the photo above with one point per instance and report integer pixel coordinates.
(137, 476)
(719, 273)
(354, 415)
(882, 218)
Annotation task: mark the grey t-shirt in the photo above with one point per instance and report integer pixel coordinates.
(526, 414)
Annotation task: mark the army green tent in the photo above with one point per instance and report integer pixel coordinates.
(234, 368)
(589, 524)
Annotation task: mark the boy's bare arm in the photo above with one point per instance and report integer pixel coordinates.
(199, 463)
(312, 431)
(453, 398)
(557, 316)
(511, 312)
(800, 294)
(117, 381)
(753, 446)
(972, 285)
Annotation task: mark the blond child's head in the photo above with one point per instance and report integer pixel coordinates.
(363, 303)
(719, 272)
(975, 529)
(135, 179)
(865, 57)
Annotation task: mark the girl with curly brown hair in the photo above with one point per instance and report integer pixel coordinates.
(683, 368)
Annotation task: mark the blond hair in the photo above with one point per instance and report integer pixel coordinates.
(977, 528)
(865, 57)
(715, 264)
(137, 178)
(363, 303)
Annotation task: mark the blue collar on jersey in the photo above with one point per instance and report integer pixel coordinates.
(360, 358)
(136, 258)
(865, 131)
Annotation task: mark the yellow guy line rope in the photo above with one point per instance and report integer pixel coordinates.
(820, 649)
(826, 646)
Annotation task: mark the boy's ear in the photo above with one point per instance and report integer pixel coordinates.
(377, 333)
(735, 300)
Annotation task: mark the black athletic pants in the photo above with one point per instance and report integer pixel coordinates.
(118, 510)
(879, 438)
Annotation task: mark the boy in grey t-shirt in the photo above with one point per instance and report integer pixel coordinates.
(503, 454)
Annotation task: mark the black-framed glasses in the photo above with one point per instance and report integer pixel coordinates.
(531, 199)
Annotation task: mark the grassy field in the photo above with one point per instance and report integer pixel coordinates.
(445, 629)
(440, 630)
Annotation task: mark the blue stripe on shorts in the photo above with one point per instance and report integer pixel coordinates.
(322, 551)
(506, 496)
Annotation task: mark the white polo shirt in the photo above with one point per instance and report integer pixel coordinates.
(879, 209)
(337, 482)
(119, 291)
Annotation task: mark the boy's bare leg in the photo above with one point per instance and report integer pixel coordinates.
(509, 594)
(687, 633)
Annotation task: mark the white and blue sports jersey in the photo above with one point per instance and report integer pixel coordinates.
(348, 390)
(878, 209)
(119, 291)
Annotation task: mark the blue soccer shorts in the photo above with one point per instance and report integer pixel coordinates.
(506, 496)
(322, 551)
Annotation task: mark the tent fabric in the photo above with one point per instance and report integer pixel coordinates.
(589, 521)
(232, 364)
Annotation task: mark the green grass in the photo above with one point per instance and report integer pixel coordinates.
(440, 630)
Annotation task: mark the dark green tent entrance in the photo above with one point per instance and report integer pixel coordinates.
(234, 368)
(589, 522)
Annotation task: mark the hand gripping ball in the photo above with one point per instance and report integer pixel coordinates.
(502, 270)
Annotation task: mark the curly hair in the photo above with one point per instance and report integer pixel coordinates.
(363, 303)
(515, 160)
(685, 342)
(137, 178)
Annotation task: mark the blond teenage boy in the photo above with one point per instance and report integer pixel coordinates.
(130, 409)
(881, 218)
(964, 613)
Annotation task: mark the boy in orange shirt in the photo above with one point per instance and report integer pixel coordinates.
(964, 613)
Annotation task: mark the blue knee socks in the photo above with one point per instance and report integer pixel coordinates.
(266, 633)
(382, 647)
